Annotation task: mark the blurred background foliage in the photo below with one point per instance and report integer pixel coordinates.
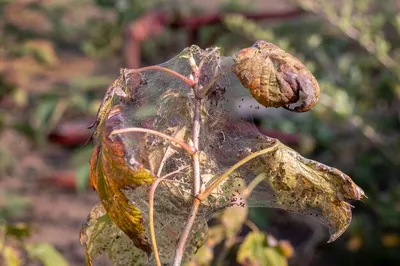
(57, 58)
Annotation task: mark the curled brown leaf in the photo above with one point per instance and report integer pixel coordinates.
(275, 78)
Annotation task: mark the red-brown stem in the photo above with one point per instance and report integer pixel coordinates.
(189, 82)
(180, 248)
(182, 144)
(151, 215)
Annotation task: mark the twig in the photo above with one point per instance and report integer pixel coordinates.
(250, 187)
(252, 226)
(195, 157)
(189, 82)
(165, 156)
(183, 144)
(203, 195)
(151, 215)
(180, 248)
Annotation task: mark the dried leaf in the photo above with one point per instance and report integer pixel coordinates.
(297, 184)
(276, 78)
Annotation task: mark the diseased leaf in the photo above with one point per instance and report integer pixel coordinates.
(276, 78)
(121, 90)
(170, 215)
(300, 185)
(112, 169)
(100, 235)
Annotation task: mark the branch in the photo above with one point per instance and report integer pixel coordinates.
(189, 149)
(189, 82)
(195, 157)
(151, 215)
(180, 248)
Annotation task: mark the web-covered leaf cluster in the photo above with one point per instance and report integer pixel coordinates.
(126, 162)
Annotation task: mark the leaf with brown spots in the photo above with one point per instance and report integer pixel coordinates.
(111, 170)
(294, 183)
(275, 78)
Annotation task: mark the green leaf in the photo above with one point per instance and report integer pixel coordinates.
(46, 254)
(256, 251)
(18, 230)
(82, 177)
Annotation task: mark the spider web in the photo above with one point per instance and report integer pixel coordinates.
(160, 101)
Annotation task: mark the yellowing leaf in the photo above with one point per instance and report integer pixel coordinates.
(111, 170)
(10, 256)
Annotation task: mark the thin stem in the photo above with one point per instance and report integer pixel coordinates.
(196, 136)
(189, 82)
(203, 195)
(151, 215)
(165, 157)
(250, 187)
(191, 150)
(208, 191)
(180, 248)
(252, 226)
(163, 160)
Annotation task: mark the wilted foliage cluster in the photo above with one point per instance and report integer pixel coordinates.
(145, 110)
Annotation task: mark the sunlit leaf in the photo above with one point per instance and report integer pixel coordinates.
(46, 254)
(10, 256)
(256, 251)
